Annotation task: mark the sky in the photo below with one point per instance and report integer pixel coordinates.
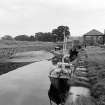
(19, 17)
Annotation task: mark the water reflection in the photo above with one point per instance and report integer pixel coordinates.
(58, 92)
(9, 66)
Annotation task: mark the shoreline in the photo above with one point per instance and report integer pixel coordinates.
(22, 59)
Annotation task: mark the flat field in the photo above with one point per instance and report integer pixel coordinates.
(9, 48)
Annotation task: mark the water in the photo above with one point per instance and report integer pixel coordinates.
(27, 85)
(9, 66)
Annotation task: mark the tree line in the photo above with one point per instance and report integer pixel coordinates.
(56, 34)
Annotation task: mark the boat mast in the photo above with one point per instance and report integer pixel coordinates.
(64, 48)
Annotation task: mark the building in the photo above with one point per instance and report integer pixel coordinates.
(94, 37)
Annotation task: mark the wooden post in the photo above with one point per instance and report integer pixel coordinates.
(84, 40)
(104, 37)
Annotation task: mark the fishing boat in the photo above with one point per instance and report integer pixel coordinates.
(63, 69)
(59, 76)
(61, 73)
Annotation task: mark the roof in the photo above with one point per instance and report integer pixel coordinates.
(94, 32)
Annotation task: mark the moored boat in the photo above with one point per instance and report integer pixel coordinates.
(63, 67)
(62, 72)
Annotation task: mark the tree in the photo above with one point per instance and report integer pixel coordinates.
(31, 38)
(38, 36)
(22, 38)
(7, 37)
(100, 40)
(60, 31)
(47, 36)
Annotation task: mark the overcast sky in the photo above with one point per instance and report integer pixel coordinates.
(31, 16)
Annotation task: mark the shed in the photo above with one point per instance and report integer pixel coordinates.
(94, 37)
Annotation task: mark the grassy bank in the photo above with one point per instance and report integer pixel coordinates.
(9, 48)
(96, 67)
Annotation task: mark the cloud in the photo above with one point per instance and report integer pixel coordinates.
(30, 16)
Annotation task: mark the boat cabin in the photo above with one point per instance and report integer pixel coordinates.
(62, 70)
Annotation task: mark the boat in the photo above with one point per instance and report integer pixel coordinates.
(63, 69)
(61, 73)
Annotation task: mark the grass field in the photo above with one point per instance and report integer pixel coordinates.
(8, 48)
(96, 67)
